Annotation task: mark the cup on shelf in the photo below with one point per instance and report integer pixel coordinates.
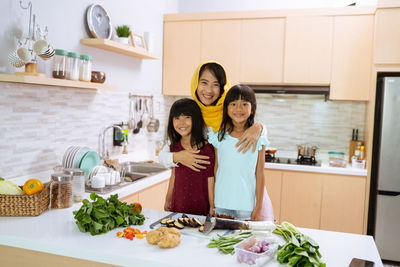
(24, 54)
(15, 60)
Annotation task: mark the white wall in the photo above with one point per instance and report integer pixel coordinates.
(37, 123)
(237, 5)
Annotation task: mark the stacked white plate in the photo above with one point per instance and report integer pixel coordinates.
(73, 156)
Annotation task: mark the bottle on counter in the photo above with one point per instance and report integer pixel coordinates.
(73, 66)
(60, 64)
(85, 69)
(78, 183)
(362, 154)
(61, 191)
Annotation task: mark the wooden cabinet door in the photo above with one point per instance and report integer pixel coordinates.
(352, 57)
(387, 36)
(301, 199)
(343, 200)
(262, 45)
(131, 198)
(308, 50)
(220, 41)
(181, 56)
(154, 196)
(273, 183)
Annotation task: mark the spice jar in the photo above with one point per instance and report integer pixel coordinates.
(78, 183)
(61, 191)
(85, 69)
(73, 66)
(59, 64)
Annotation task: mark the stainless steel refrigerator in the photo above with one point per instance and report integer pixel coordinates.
(384, 212)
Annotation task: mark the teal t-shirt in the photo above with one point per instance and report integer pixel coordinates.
(235, 181)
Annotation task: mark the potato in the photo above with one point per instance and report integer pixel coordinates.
(153, 237)
(167, 230)
(165, 237)
(169, 241)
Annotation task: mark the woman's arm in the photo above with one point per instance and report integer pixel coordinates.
(256, 214)
(250, 138)
(190, 159)
(168, 198)
(211, 184)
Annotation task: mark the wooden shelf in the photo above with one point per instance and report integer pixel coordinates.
(16, 78)
(116, 47)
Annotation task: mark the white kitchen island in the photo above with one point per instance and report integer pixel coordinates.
(53, 238)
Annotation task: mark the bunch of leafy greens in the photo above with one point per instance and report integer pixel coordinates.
(299, 250)
(102, 215)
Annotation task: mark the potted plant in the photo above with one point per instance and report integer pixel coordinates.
(123, 33)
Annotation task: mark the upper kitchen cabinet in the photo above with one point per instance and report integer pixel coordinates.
(181, 55)
(387, 36)
(220, 42)
(352, 57)
(308, 49)
(262, 45)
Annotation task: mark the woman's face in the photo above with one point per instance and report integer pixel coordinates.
(208, 90)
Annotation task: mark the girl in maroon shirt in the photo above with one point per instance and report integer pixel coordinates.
(189, 191)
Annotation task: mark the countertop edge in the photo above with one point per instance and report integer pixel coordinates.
(319, 169)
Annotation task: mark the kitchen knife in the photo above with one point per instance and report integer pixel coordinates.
(353, 135)
(220, 223)
(154, 224)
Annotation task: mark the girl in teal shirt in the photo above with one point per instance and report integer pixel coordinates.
(239, 184)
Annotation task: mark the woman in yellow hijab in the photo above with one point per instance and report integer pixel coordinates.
(208, 88)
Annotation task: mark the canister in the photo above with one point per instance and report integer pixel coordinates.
(73, 66)
(61, 191)
(60, 64)
(78, 183)
(85, 69)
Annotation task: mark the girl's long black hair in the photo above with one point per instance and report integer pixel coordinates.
(219, 73)
(237, 92)
(187, 107)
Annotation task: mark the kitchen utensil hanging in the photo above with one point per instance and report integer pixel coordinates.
(131, 120)
(154, 123)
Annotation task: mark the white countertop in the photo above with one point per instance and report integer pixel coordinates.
(56, 233)
(324, 168)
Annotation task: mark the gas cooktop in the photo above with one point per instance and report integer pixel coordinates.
(282, 160)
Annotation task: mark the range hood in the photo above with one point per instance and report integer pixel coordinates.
(291, 89)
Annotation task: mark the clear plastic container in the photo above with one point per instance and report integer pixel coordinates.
(73, 66)
(85, 69)
(243, 253)
(61, 191)
(60, 64)
(336, 159)
(78, 183)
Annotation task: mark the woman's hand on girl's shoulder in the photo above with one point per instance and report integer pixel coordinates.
(192, 159)
(249, 139)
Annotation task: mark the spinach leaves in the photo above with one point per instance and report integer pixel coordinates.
(299, 250)
(102, 215)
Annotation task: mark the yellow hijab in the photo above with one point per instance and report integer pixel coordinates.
(212, 114)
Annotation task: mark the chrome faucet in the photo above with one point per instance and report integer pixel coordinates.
(102, 149)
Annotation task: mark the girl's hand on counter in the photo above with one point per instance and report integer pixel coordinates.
(256, 214)
(191, 159)
(249, 138)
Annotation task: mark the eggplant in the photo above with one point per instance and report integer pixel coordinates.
(199, 223)
(181, 220)
(201, 228)
(165, 221)
(187, 221)
(178, 225)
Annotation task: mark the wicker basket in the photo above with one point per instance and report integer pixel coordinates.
(25, 205)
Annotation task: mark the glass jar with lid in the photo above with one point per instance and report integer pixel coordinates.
(336, 159)
(85, 69)
(60, 64)
(61, 191)
(73, 66)
(78, 183)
